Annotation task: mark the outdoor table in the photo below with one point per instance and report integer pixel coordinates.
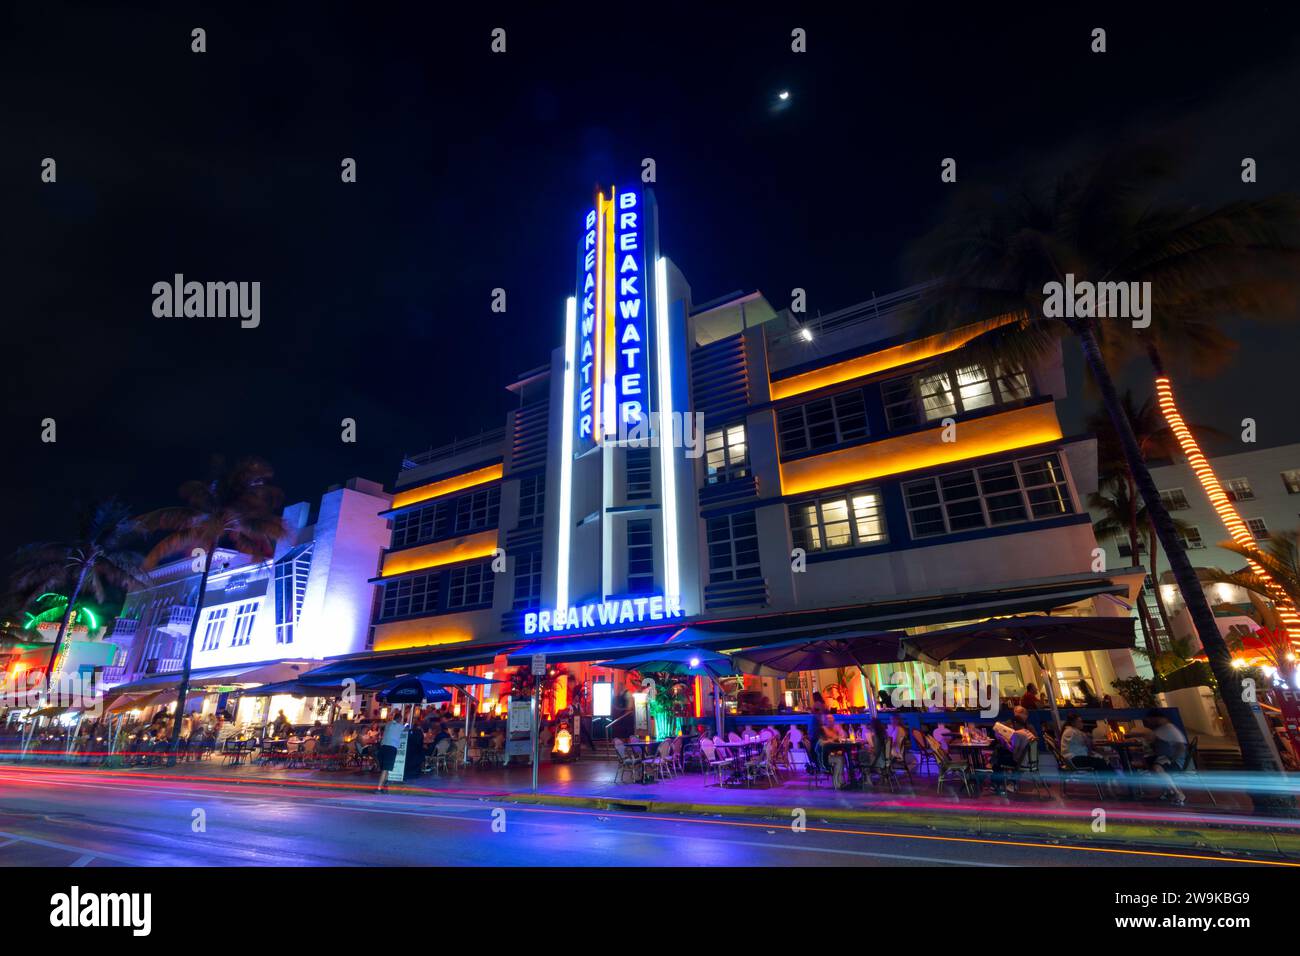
(1124, 749)
(643, 748)
(977, 752)
(850, 749)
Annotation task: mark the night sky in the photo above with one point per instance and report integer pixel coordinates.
(473, 170)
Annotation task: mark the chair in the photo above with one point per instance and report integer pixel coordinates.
(946, 767)
(1069, 770)
(662, 761)
(880, 762)
(898, 757)
(923, 754)
(678, 761)
(627, 762)
(1027, 766)
(715, 761)
(735, 738)
(441, 759)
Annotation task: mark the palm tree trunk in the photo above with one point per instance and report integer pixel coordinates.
(183, 690)
(1154, 547)
(63, 630)
(1257, 753)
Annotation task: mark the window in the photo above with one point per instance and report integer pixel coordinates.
(478, 510)
(825, 422)
(243, 632)
(838, 521)
(1239, 489)
(1174, 499)
(1007, 493)
(532, 500)
(1126, 550)
(928, 397)
(638, 475)
(415, 527)
(1257, 528)
(528, 579)
(733, 547)
(212, 630)
(726, 454)
(470, 585)
(417, 594)
(1291, 479)
(1191, 538)
(640, 556)
(290, 589)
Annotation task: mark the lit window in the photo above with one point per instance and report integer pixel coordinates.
(216, 623)
(928, 397)
(1291, 479)
(1191, 538)
(243, 632)
(1257, 528)
(726, 454)
(838, 521)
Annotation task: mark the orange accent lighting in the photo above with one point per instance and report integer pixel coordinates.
(1222, 505)
(436, 489)
(1006, 431)
(481, 545)
(882, 361)
(424, 632)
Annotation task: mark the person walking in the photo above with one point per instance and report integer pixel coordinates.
(388, 744)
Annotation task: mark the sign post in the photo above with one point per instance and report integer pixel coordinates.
(539, 671)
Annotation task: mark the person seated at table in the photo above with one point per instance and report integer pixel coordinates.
(440, 733)
(941, 733)
(1029, 700)
(1168, 752)
(826, 732)
(1076, 746)
(900, 739)
(317, 730)
(1013, 739)
(1101, 731)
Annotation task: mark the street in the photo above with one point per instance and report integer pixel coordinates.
(79, 818)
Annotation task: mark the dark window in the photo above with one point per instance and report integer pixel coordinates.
(823, 423)
(532, 500)
(470, 585)
(417, 594)
(994, 495)
(528, 579)
(639, 484)
(733, 547)
(640, 556)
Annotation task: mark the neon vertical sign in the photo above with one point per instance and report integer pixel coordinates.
(631, 368)
(587, 365)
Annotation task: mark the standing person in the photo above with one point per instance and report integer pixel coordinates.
(1086, 695)
(388, 744)
(281, 726)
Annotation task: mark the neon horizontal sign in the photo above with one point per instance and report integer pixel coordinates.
(632, 610)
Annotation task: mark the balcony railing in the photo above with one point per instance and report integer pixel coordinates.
(114, 675)
(124, 627)
(492, 437)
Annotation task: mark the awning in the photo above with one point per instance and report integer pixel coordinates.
(592, 647)
(259, 673)
(1013, 636)
(407, 661)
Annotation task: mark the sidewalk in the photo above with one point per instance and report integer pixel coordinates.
(1197, 828)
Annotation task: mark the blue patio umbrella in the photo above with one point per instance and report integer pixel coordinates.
(414, 690)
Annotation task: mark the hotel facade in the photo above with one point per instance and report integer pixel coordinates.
(727, 474)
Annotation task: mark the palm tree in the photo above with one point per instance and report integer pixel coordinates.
(1279, 557)
(236, 507)
(1120, 516)
(1001, 256)
(50, 606)
(99, 557)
